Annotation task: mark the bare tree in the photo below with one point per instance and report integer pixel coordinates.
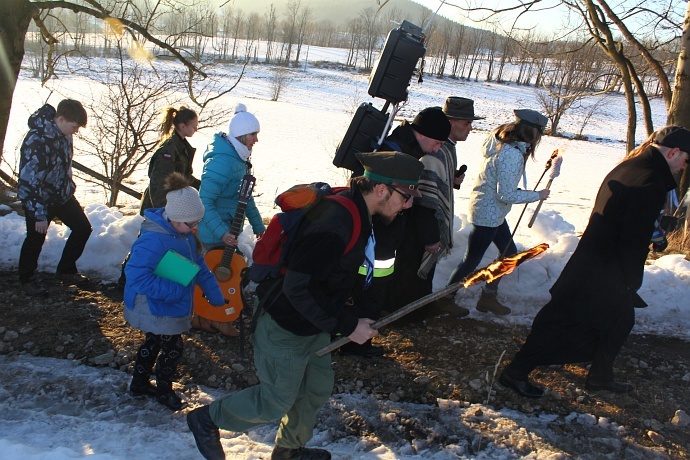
(270, 22)
(125, 118)
(371, 36)
(302, 30)
(279, 80)
(290, 29)
(136, 18)
(569, 79)
(679, 110)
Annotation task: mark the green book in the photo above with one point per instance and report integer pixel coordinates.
(176, 267)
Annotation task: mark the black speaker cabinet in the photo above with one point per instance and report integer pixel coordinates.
(395, 65)
(366, 127)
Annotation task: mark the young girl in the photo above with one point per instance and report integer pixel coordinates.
(158, 306)
(505, 152)
(174, 154)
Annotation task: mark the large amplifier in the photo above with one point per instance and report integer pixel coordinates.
(366, 127)
(396, 64)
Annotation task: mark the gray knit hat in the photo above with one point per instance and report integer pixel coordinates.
(184, 205)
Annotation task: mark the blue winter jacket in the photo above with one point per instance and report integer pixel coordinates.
(219, 191)
(165, 297)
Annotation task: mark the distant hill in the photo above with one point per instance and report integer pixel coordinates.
(337, 11)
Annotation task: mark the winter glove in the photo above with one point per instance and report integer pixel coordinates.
(660, 246)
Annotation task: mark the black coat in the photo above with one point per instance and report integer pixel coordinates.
(605, 271)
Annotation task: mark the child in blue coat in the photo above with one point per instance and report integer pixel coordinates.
(161, 307)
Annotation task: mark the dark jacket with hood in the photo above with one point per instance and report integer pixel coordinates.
(605, 271)
(319, 276)
(45, 166)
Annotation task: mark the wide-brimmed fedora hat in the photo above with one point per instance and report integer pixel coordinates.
(460, 108)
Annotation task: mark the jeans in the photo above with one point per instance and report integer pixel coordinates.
(478, 242)
(72, 215)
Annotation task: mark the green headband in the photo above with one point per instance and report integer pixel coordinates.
(387, 180)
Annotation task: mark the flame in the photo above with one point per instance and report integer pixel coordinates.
(504, 266)
(550, 160)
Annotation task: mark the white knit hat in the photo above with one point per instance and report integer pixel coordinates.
(243, 122)
(184, 205)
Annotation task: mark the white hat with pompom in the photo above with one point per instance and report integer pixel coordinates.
(243, 122)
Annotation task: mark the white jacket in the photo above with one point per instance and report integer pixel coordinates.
(496, 187)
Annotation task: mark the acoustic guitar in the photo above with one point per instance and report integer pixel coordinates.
(226, 265)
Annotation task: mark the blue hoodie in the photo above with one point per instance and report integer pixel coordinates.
(165, 297)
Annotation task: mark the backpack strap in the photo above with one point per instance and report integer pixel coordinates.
(352, 208)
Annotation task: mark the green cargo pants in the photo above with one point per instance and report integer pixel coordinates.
(293, 384)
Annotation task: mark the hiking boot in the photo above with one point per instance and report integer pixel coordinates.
(488, 303)
(227, 329)
(170, 400)
(301, 453)
(202, 323)
(206, 434)
(448, 305)
(33, 290)
(73, 278)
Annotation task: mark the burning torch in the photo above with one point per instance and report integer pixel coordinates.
(555, 172)
(490, 273)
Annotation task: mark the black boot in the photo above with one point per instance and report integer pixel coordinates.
(170, 400)
(300, 453)
(523, 387)
(141, 386)
(206, 434)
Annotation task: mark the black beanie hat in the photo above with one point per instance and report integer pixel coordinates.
(432, 122)
(673, 137)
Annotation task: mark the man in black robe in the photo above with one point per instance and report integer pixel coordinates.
(591, 312)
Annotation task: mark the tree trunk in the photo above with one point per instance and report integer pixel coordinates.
(15, 17)
(679, 111)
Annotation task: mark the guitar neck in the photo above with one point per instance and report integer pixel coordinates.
(235, 229)
(238, 220)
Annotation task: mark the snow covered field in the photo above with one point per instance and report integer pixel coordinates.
(59, 410)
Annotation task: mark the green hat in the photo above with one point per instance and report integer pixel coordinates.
(393, 168)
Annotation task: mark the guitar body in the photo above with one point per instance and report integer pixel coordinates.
(227, 267)
(229, 281)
